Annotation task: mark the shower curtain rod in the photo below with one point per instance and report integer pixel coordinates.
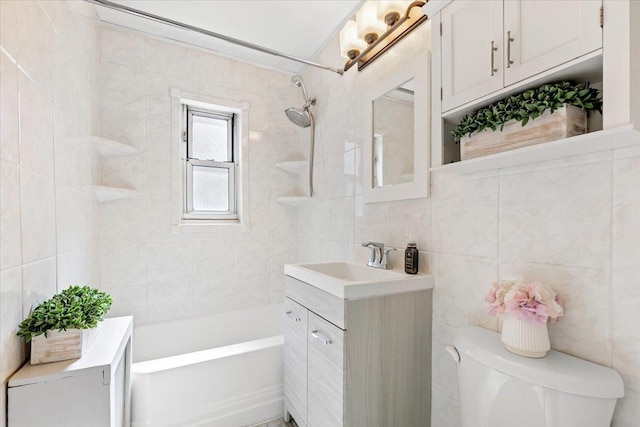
(137, 12)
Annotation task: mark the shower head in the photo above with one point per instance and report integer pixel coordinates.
(301, 116)
(298, 116)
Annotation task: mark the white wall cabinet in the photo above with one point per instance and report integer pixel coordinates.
(356, 363)
(471, 51)
(91, 391)
(488, 45)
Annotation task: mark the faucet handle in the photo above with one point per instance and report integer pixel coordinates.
(376, 251)
(385, 257)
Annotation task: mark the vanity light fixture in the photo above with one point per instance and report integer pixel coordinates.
(379, 25)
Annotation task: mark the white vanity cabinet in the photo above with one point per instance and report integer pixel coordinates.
(487, 45)
(93, 391)
(356, 362)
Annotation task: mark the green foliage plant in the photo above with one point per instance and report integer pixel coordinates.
(529, 105)
(74, 308)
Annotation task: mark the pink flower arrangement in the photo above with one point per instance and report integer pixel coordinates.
(534, 301)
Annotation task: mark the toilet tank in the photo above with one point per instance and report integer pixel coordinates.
(500, 389)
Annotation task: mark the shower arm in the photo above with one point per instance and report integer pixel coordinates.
(132, 11)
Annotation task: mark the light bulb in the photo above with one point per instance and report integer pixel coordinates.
(350, 44)
(369, 28)
(390, 11)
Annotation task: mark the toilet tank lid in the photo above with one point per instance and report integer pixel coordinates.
(556, 371)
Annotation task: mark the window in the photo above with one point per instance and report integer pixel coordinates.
(209, 164)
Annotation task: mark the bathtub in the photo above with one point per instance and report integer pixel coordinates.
(221, 370)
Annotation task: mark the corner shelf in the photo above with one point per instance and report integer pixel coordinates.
(108, 194)
(609, 139)
(109, 148)
(293, 166)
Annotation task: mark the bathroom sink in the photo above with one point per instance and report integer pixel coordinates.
(350, 280)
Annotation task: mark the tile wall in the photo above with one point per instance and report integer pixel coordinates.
(154, 273)
(48, 63)
(573, 223)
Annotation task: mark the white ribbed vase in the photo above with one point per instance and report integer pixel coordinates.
(525, 338)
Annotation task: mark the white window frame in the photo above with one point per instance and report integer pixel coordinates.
(229, 164)
(240, 107)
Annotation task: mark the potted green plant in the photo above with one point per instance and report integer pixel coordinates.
(64, 326)
(528, 118)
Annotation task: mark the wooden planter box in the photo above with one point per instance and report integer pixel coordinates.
(62, 345)
(563, 123)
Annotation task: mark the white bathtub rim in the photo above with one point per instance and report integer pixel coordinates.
(196, 357)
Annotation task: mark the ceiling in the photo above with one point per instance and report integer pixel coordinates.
(295, 27)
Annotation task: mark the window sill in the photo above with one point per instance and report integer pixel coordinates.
(200, 226)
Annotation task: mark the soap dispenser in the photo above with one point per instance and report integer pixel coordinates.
(411, 258)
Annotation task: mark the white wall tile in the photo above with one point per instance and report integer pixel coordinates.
(207, 67)
(169, 262)
(626, 214)
(170, 301)
(129, 301)
(36, 44)
(9, 130)
(3, 398)
(546, 217)
(215, 295)
(213, 258)
(77, 268)
(157, 93)
(36, 128)
(460, 286)
(67, 142)
(122, 48)
(124, 126)
(167, 59)
(10, 238)
(122, 264)
(73, 218)
(626, 345)
(39, 283)
(9, 36)
(465, 215)
(341, 225)
(123, 221)
(38, 216)
(444, 410)
(443, 367)
(121, 87)
(627, 411)
(409, 219)
(10, 317)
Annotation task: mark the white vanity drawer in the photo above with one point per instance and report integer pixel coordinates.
(295, 357)
(326, 373)
(323, 303)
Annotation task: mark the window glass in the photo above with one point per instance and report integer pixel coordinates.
(210, 139)
(210, 188)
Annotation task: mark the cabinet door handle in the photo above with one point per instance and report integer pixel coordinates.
(291, 315)
(509, 40)
(323, 340)
(493, 54)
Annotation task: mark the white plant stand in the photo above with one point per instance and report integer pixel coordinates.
(94, 390)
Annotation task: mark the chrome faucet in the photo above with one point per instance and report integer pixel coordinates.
(379, 255)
